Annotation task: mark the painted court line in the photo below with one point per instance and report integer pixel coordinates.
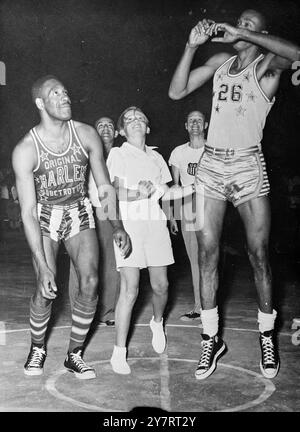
(50, 386)
(165, 395)
(2, 333)
(269, 387)
(6, 331)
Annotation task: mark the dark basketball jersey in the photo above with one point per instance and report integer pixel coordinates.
(60, 178)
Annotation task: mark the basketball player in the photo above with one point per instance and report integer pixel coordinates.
(50, 164)
(232, 167)
(183, 161)
(109, 277)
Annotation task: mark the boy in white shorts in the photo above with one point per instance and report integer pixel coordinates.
(139, 175)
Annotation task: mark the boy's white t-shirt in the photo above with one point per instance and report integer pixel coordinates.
(132, 165)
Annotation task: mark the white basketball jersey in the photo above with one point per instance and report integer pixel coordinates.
(239, 107)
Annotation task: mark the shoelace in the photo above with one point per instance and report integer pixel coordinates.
(37, 355)
(206, 353)
(268, 350)
(79, 363)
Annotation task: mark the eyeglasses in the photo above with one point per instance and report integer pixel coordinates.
(132, 118)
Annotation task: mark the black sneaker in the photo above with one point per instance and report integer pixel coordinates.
(190, 316)
(212, 348)
(35, 361)
(74, 363)
(269, 364)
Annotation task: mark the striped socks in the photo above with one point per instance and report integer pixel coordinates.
(39, 317)
(82, 317)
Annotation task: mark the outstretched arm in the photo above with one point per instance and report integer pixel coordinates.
(185, 81)
(176, 192)
(24, 161)
(284, 52)
(144, 190)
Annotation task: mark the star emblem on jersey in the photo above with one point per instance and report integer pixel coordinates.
(251, 96)
(220, 76)
(240, 111)
(42, 195)
(247, 76)
(75, 148)
(217, 108)
(44, 156)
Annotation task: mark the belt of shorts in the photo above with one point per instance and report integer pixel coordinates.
(231, 152)
(69, 206)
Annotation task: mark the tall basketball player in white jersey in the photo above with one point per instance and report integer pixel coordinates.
(51, 167)
(232, 167)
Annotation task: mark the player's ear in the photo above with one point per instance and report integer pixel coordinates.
(116, 134)
(186, 125)
(147, 130)
(122, 132)
(39, 103)
(205, 125)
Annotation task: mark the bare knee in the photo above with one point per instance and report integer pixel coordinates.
(130, 292)
(88, 285)
(40, 301)
(160, 287)
(208, 253)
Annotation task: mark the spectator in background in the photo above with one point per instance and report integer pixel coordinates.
(109, 277)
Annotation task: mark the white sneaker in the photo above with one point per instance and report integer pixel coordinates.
(118, 361)
(159, 337)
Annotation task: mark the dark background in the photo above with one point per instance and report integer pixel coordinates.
(111, 54)
(114, 53)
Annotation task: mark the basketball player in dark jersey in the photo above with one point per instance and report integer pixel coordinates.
(232, 167)
(51, 166)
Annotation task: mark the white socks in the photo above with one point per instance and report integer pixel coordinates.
(118, 361)
(266, 321)
(159, 337)
(210, 321)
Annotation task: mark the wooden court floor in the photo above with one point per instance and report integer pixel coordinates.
(163, 381)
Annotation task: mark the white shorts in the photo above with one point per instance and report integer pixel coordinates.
(151, 244)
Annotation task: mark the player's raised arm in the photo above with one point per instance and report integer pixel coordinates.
(185, 81)
(282, 52)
